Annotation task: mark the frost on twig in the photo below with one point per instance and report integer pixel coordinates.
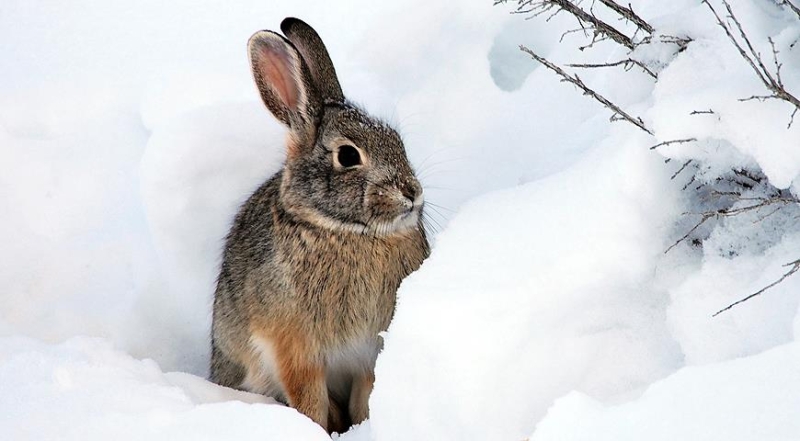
(772, 81)
(574, 79)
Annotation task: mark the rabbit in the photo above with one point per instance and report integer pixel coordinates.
(314, 257)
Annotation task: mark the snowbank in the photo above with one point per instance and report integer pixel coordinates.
(737, 400)
(531, 293)
(84, 389)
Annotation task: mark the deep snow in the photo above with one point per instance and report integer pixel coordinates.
(129, 134)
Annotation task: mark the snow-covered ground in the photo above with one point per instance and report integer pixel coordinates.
(548, 310)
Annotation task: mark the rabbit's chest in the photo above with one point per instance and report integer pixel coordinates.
(348, 284)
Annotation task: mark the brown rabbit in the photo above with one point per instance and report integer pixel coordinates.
(312, 263)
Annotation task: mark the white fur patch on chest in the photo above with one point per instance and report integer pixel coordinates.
(354, 356)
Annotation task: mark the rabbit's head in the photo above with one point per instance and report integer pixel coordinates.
(345, 170)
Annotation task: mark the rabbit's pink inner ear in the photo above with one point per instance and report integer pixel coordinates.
(274, 67)
(277, 71)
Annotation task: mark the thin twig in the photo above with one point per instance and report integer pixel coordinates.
(773, 83)
(756, 55)
(572, 31)
(736, 43)
(681, 42)
(706, 216)
(757, 178)
(792, 6)
(778, 65)
(685, 164)
(627, 64)
(761, 218)
(674, 141)
(599, 25)
(691, 181)
(586, 90)
(795, 266)
(762, 202)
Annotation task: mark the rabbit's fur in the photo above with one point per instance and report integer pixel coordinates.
(314, 258)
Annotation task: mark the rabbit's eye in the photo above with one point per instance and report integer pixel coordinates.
(348, 156)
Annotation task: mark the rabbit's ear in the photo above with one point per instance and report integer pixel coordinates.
(284, 82)
(316, 57)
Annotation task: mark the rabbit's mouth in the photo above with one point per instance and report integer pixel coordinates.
(405, 221)
(392, 210)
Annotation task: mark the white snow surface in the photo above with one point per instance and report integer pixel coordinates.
(765, 405)
(548, 310)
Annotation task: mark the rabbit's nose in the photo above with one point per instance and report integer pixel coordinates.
(412, 192)
(409, 193)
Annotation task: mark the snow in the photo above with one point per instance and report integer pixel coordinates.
(550, 300)
(84, 389)
(762, 392)
(130, 133)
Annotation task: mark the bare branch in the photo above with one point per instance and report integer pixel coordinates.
(792, 6)
(761, 218)
(685, 164)
(760, 202)
(691, 181)
(674, 141)
(589, 21)
(627, 64)
(778, 65)
(743, 34)
(773, 83)
(736, 43)
(586, 90)
(795, 266)
(628, 14)
(760, 98)
(681, 42)
(764, 203)
(596, 38)
(572, 31)
(599, 25)
(703, 219)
